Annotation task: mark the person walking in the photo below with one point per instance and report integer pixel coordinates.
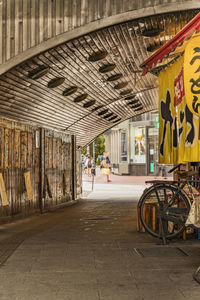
(89, 166)
(105, 166)
(86, 164)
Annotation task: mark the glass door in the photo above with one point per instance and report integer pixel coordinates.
(152, 156)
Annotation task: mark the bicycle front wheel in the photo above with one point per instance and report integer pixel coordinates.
(164, 209)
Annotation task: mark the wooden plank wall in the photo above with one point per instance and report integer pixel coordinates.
(58, 166)
(27, 23)
(20, 156)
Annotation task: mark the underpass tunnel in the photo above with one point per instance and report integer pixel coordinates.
(72, 70)
(62, 86)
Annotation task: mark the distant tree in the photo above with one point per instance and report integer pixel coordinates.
(99, 146)
(84, 151)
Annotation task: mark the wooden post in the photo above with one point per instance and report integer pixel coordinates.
(144, 216)
(148, 213)
(137, 216)
(73, 168)
(154, 218)
(64, 183)
(184, 235)
(42, 169)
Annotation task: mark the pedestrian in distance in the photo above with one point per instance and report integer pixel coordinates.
(105, 166)
(89, 165)
(86, 165)
(161, 169)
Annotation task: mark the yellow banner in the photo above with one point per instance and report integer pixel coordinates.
(192, 74)
(179, 139)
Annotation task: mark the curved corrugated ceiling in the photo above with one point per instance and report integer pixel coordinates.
(103, 105)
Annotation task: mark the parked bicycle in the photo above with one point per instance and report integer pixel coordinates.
(164, 206)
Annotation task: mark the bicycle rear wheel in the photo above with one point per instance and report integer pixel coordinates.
(164, 208)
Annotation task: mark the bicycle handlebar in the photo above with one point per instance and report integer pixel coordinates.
(174, 168)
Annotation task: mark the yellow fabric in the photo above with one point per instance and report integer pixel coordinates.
(105, 171)
(181, 141)
(192, 75)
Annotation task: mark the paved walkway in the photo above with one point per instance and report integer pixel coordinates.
(120, 187)
(92, 251)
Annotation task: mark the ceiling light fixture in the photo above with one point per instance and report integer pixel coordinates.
(55, 82)
(103, 112)
(70, 91)
(97, 56)
(107, 68)
(114, 77)
(39, 72)
(89, 104)
(80, 98)
(120, 85)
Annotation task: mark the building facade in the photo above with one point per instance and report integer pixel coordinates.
(133, 145)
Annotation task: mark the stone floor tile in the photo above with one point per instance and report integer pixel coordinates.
(67, 257)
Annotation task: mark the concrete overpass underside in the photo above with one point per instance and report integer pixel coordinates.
(69, 71)
(91, 82)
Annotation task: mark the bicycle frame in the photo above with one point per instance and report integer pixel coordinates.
(180, 188)
(163, 214)
(167, 212)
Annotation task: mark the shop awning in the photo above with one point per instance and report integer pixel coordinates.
(173, 47)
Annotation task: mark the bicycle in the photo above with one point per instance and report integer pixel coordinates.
(169, 206)
(164, 206)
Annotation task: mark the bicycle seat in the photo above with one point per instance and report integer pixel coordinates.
(185, 174)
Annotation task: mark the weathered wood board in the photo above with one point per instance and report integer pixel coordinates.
(21, 156)
(29, 189)
(4, 198)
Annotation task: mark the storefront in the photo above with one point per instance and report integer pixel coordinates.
(133, 145)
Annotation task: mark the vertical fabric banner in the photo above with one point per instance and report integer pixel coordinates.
(192, 92)
(192, 74)
(178, 127)
(171, 101)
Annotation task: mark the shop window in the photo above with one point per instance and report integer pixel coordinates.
(123, 146)
(138, 153)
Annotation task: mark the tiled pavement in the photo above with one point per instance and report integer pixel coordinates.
(87, 252)
(120, 187)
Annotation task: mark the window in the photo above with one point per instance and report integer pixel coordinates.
(123, 146)
(138, 145)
